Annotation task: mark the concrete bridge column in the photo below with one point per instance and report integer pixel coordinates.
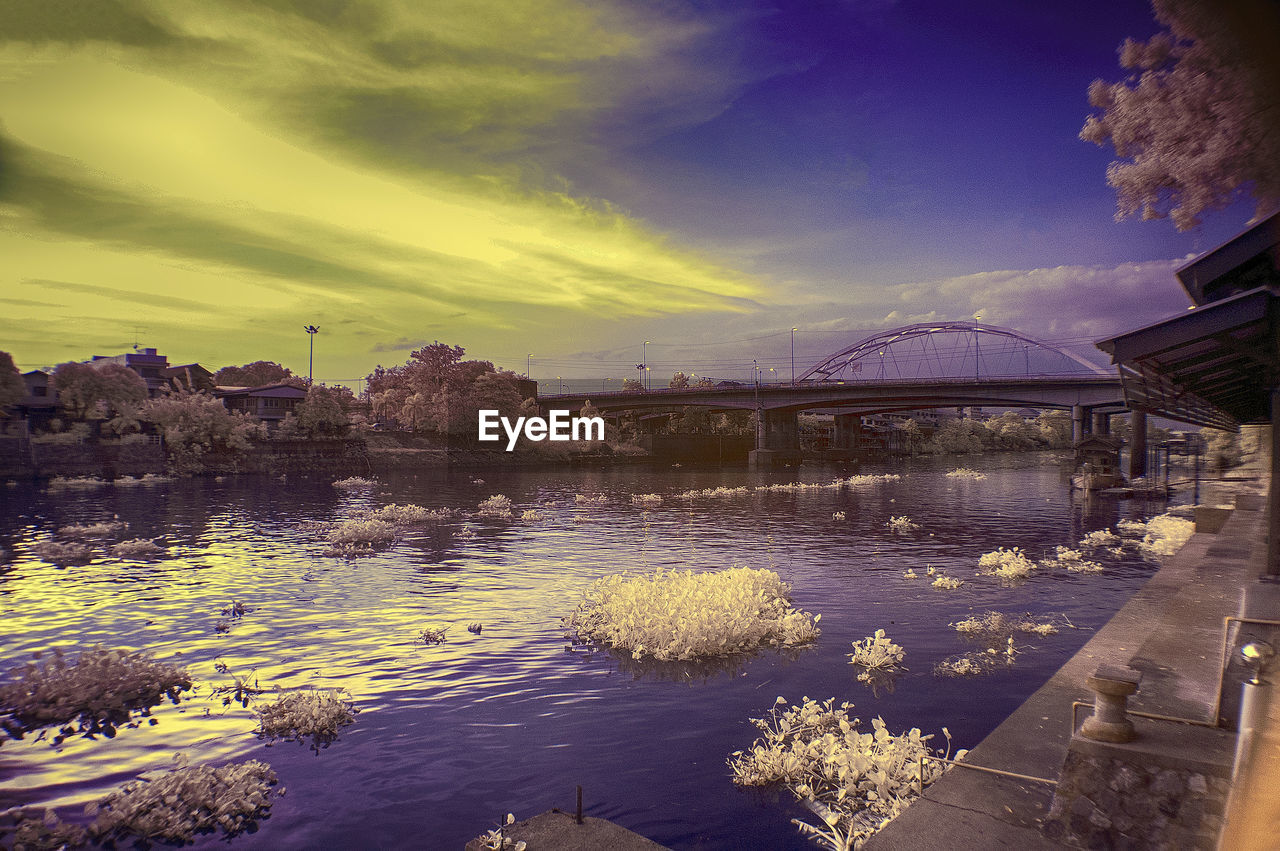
(777, 438)
(1138, 444)
(848, 431)
(1101, 423)
(1078, 421)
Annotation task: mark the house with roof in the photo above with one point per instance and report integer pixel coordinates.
(268, 403)
(189, 376)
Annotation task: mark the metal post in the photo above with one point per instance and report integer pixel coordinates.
(644, 359)
(311, 330)
(793, 355)
(1138, 444)
(528, 365)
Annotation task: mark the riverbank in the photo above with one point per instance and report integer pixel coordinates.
(1167, 788)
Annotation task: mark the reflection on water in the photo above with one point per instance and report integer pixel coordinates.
(451, 736)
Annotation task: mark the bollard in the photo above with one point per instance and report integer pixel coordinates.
(1254, 698)
(1110, 722)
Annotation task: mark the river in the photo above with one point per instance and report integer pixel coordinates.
(450, 737)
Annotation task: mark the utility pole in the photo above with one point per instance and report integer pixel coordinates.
(311, 330)
(793, 355)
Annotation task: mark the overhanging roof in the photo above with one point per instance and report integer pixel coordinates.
(1212, 366)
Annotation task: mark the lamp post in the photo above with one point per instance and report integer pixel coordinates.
(561, 380)
(648, 382)
(603, 384)
(793, 354)
(774, 379)
(311, 330)
(644, 360)
(528, 365)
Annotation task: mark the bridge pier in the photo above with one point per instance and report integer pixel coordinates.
(1079, 423)
(777, 438)
(1101, 423)
(1138, 444)
(848, 431)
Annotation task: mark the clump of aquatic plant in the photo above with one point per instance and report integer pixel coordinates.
(532, 515)
(76, 483)
(63, 554)
(854, 780)
(837, 515)
(240, 690)
(95, 694)
(713, 493)
(475, 628)
(174, 806)
(496, 839)
(1098, 539)
(1166, 534)
(360, 537)
(1131, 528)
(495, 506)
(90, 531)
(355, 483)
(679, 614)
(910, 573)
(148, 479)
(585, 499)
(1007, 564)
(902, 525)
(646, 500)
(946, 583)
(996, 627)
(858, 481)
(237, 609)
(966, 473)
(137, 548)
(465, 533)
(409, 515)
(302, 715)
(876, 654)
(46, 832)
(978, 662)
(433, 636)
(1072, 560)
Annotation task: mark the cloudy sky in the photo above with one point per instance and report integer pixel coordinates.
(558, 178)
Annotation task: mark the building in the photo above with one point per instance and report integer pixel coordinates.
(269, 403)
(189, 376)
(146, 362)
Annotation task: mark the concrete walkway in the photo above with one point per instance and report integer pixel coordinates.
(1171, 630)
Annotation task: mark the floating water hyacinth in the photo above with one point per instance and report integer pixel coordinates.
(1131, 528)
(1007, 564)
(585, 499)
(713, 493)
(858, 481)
(902, 525)
(996, 627)
(837, 515)
(98, 692)
(139, 548)
(360, 537)
(855, 781)
(76, 483)
(532, 515)
(947, 583)
(1072, 560)
(148, 479)
(174, 806)
(1166, 534)
(966, 473)
(675, 614)
(910, 573)
(355, 483)
(410, 515)
(63, 554)
(876, 654)
(433, 636)
(302, 715)
(978, 662)
(646, 500)
(1099, 539)
(90, 531)
(495, 506)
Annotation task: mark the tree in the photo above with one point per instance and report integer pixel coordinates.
(324, 412)
(12, 387)
(88, 392)
(632, 385)
(195, 423)
(455, 409)
(1197, 122)
(256, 374)
(679, 381)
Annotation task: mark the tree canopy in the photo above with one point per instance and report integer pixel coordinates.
(437, 390)
(1196, 124)
(12, 388)
(88, 391)
(256, 374)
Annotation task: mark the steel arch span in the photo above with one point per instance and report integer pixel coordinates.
(949, 350)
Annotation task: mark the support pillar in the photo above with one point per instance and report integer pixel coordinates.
(1077, 424)
(1138, 444)
(777, 437)
(848, 431)
(1101, 423)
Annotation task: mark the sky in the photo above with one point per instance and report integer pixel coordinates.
(549, 184)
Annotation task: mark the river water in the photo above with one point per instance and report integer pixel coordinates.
(450, 737)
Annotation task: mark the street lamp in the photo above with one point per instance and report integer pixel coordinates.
(774, 379)
(561, 380)
(644, 359)
(311, 330)
(528, 365)
(648, 383)
(602, 385)
(793, 354)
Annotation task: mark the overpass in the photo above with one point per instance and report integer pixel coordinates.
(927, 365)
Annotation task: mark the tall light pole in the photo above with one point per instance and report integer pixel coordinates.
(644, 359)
(528, 365)
(311, 330)
(561, 380)
(602, 385)
(793, 354)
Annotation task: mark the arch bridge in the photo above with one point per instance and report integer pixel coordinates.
(926, 365)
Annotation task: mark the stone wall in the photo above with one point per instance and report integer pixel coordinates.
(103, 460)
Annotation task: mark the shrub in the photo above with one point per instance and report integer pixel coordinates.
(188, 800)
(104, 529)
(1007, 564)
(876, 653)
(98, 692)
(685, 615)
(495, 506)
(63, 554)
(306, 715)
(856, 781)
(137, 548)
